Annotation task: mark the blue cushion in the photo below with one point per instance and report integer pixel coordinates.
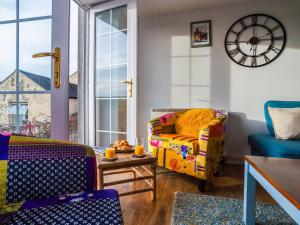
(267, 145)
(277, 104)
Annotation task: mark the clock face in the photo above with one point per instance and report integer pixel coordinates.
(255, 40)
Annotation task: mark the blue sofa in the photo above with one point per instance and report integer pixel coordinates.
(266, 144)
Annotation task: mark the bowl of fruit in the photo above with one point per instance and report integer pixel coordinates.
(122, 146)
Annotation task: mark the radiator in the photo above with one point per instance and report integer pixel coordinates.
(157, 112)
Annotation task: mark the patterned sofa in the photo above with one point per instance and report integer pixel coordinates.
(45, 181)
(189, 141)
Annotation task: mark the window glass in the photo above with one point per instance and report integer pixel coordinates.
(35, 115)
(8, 60)
(119, 47)
(6, 109)
(74, 75)
(35, 8)
(103, 22)
(119, 18)
(111, 69)
(25, 113)
(7, 10)
(35, 37)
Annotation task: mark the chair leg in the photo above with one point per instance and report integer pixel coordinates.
(201, 185)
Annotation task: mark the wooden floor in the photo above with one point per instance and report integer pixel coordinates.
(140, 210)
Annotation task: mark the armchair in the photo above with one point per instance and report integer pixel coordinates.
(190, 142)
(52, 182)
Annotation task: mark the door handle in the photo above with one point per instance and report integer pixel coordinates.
(130, 83)
(56, 56)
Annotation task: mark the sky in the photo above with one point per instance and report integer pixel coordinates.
(35, 36)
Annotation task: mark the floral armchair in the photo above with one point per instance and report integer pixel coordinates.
(44, 181)
(189, 141)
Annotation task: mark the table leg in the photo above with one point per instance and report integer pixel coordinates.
(249, 197)
(153, 169)
(133, 172)
(101, 179)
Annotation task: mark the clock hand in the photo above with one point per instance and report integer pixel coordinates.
(254, 50)
(253, 47)
(266, 39)
(264, 35)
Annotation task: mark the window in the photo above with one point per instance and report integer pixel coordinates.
(25, 83)
(22, 119)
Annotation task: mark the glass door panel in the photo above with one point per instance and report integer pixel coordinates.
(25, 83)
(8, 111)
(7, 10)
(118, 73)
(35, 8)
(34, 37)
(7, 60)
(111, 68)
(76, 76)
(26, 92)
(35, 114)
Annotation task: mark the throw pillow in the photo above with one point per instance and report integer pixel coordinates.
(286, 122)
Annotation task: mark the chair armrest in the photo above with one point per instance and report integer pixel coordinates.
(211, 145)
(163, 124)
(154, 127)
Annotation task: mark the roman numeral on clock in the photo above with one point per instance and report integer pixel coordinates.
(274, 49)
(254, 20)
(267, 19)
(279, 38)
(234, 32)
(243, 59)
(275, 28)
(230, 42)
(253, 61)
(266, 58)
(233, 52)
(243, 23)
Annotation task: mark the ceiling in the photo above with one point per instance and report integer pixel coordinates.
(157, 7)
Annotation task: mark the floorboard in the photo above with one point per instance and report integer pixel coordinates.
(140, 210)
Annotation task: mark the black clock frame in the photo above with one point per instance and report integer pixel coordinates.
(246, 27)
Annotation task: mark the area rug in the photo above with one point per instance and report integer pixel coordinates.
(195, 209)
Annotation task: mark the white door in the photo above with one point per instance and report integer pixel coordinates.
(113, 73)
(29, 102)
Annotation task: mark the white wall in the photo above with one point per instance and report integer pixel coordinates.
(171, 74)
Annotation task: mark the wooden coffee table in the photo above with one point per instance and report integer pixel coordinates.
(279, 177)
(129, 164)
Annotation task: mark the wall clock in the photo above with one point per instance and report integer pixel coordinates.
(255, 40)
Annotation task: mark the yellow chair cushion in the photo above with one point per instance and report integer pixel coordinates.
(181, 143)
(191, 121)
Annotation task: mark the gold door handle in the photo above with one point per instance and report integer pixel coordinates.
(130, 83)
(56, 57)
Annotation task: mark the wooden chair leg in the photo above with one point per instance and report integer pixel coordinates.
(201, 185)
(217, 174)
